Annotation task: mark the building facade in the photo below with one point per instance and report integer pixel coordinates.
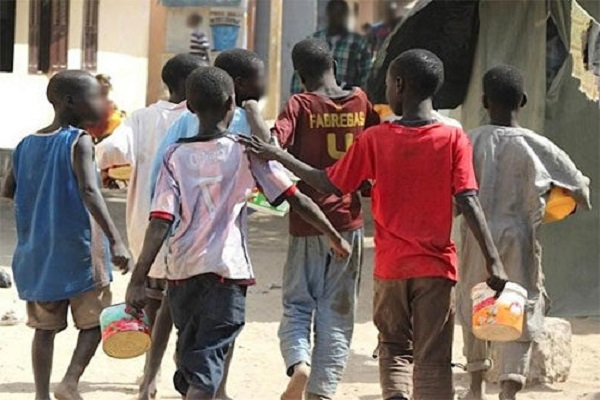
(51, 35)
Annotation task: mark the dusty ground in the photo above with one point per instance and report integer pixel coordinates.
(257, 371)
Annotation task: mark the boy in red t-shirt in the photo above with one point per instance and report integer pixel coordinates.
(317, 127)
(418, 166)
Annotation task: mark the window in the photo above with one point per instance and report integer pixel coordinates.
(48, 35)
(7, 34)
(90, 35)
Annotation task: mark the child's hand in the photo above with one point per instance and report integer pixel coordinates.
(260, 148)
(341, 248)
(135, 296)
(120, 256)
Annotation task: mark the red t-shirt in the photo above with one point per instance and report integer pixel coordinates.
(318, 130)
(416, 172)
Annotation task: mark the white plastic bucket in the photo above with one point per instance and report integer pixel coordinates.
(498, 319)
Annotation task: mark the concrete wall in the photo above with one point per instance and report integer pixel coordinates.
(122, 53)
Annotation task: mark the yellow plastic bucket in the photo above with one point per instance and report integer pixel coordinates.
(559, 205)
(121, 173)
(498, 319)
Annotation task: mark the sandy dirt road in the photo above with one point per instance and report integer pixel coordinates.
(257, 371)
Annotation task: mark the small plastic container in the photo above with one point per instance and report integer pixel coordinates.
(125, 332)
(498, 319)
(559, 205)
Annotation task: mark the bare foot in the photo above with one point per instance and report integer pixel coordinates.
(67, 392)
(148, 392)
(472, 395)
(297, 384)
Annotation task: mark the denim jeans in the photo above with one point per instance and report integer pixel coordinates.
(320, 294)
(209, 314)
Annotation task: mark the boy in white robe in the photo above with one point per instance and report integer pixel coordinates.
(516, 169)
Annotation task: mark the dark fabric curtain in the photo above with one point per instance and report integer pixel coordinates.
(447, 28)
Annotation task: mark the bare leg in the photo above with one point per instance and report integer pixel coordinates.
(477, 388)
(42, 350)
(297, 385)
(197, 394)
(509, 389)
(162, 324)
(222, 392)
(87, 343)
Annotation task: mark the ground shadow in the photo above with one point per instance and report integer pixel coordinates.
(84, 387)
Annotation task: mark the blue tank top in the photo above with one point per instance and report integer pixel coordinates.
(61, 252)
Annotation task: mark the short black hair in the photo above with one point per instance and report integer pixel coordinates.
(312, 58)
(208, 89)
(179, 67)
(504, 85)
(337, 5)
(238, 63)
(420, 69)
(70, 82)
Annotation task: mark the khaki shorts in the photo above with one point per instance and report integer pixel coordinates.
(85, 308)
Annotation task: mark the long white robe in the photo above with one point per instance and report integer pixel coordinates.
(515, 169)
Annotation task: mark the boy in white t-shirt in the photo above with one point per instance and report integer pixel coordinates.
(200, 204)
(134, 143)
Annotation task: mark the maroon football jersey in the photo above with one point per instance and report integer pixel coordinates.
(319, 130)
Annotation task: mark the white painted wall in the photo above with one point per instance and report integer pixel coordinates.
(124, 30)
(122, 53)
(23, 105)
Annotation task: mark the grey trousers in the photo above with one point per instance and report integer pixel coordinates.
(513, 357)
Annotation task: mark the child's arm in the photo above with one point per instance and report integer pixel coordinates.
(9, 186)
(312, 214)
(256, 121)
(153, 241)
(469, 205)
(85, 172)
(312, 176)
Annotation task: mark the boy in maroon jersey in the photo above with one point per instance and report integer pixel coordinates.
(418, 166)
(317, 127)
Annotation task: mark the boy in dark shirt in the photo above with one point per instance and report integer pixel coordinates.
(418, 166)
(317, 127)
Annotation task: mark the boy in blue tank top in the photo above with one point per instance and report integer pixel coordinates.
(63, 231)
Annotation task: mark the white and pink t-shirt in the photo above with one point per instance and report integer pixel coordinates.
(203, 186)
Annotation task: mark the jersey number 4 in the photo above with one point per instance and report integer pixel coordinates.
(332, 145)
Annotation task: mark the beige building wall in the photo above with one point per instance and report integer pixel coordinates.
(23, 104)
(123, 42)
(123, 45)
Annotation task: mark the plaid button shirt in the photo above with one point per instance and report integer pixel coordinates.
(353, 56)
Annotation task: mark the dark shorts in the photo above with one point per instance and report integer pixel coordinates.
(209, 314)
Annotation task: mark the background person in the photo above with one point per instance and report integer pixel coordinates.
(350, 50)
